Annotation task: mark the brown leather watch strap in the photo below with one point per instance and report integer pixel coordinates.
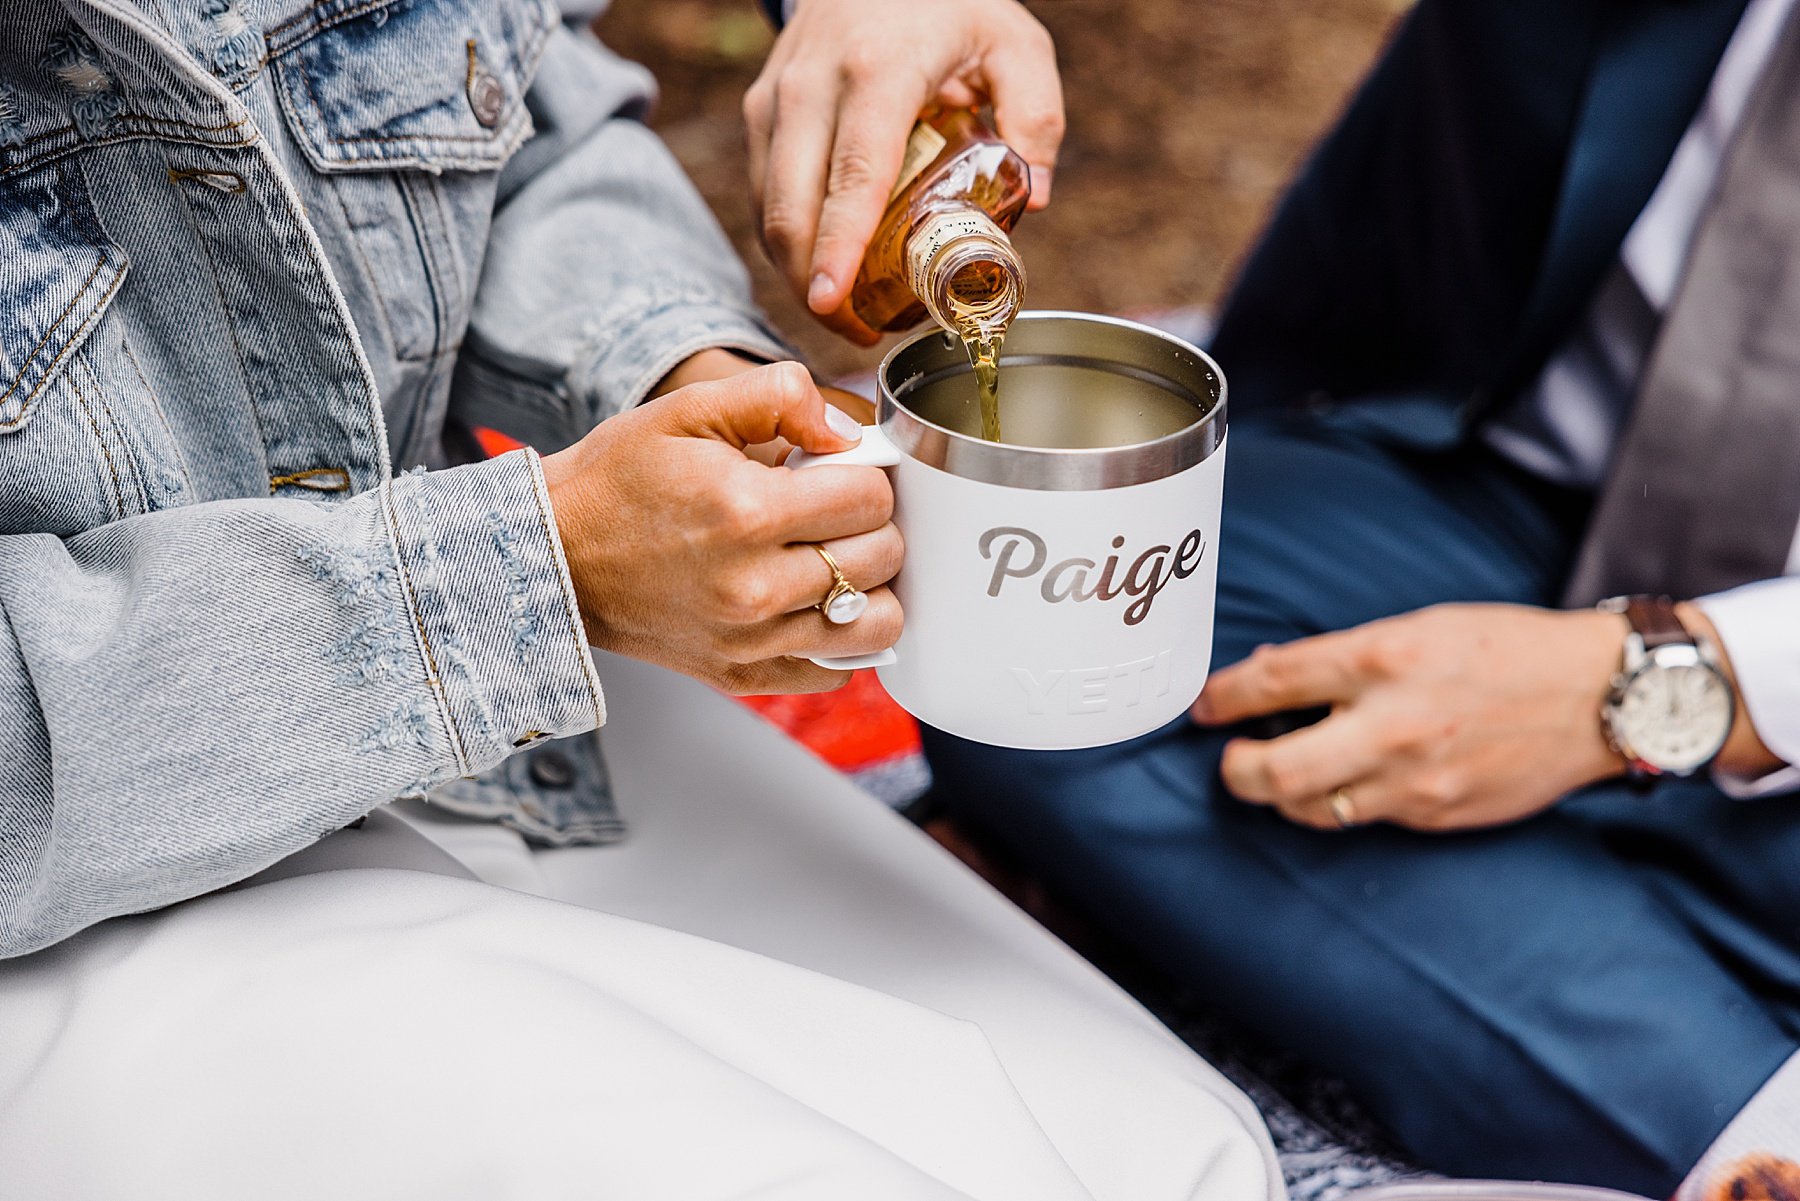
(1653, 617)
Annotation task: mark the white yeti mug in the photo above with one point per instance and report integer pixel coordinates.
(1058, 585)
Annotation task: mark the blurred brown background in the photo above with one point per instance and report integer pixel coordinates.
(1186, 118)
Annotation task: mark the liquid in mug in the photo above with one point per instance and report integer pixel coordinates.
(1071, 407)
(942, 248)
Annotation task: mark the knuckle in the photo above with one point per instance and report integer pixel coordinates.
(781, 225)
(1042, 122)
(890, 552)
(736, 680)
(759, 100)
(822, 679)
(1032, 32)
(852, 169)
(875, 500)
(863, 62)
(1402, 736)
(795, 89)
(1439, 789)
(1284, 777)
(1387, 657)
(1272, 665)
(886, 621)
(1374, 658)
(790, 382)
(747, 598)
(742, 515)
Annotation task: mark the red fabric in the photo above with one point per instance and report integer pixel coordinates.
(494, 442)
(855, 727)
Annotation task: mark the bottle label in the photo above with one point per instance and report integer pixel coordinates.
(934, 233)
(922, 147)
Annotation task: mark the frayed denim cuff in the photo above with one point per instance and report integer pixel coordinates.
(658, 337)
(484, 579)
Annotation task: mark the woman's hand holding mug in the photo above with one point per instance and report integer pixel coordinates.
(687, 552)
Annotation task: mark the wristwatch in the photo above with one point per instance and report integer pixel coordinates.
(1670, 707)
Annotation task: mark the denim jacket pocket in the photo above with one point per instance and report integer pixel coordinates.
(433, 86)
(407, 110)
(58, 272)
(67, 449)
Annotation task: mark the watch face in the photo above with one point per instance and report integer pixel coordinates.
(1674, 716)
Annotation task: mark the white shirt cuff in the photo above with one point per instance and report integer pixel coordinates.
(1759, 627)
(1765, 1127)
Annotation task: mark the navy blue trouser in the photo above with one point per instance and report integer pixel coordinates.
(1588, 996)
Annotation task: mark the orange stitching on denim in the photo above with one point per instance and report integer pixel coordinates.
(432, 675)
(50, 371)
(339, 476)
(22, 166)
(43, 341)
(63, 131)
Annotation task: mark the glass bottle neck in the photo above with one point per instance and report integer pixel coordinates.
(965, 270)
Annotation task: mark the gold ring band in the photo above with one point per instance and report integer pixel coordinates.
(1343, 808)
(843, 604)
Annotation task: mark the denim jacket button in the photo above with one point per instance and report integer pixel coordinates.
(487, 98)
(552, 770)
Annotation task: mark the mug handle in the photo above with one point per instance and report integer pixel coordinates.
(875, 450)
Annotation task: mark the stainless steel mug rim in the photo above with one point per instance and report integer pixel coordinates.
(1057, 469)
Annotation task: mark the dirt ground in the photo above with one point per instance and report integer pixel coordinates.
(1186, 118)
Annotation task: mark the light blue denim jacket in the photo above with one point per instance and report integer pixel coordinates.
(252, 253)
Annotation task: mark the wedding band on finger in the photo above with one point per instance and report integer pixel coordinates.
(843, 604)
(1343, 808)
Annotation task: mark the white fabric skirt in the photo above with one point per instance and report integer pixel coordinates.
(775, 989)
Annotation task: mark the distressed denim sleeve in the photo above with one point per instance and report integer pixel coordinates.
(604, 267)
(191, 695)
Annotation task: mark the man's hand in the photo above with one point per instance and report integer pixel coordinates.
(828, 120)
(1452, 717)
(688, 553)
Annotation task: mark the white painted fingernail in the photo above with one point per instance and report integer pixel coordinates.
(842, 424)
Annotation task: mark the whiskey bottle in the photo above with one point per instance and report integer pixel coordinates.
(942, 248)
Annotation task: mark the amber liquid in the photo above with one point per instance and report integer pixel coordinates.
(1060, 405)
(984, 356)
(972, 291)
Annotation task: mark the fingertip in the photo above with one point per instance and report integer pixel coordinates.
(1042, 175)
(843, 425)
(822, 294)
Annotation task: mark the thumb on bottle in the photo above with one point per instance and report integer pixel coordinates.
(777, 401)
